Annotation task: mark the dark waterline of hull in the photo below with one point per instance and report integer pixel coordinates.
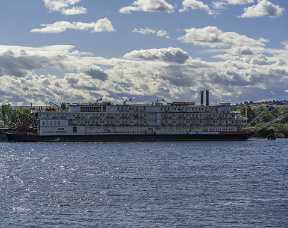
(129, 138)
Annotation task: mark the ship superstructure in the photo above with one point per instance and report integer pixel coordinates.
(104, 121)
(175, 118)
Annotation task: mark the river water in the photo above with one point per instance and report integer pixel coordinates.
(211, 184)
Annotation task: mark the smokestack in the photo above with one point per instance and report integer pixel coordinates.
(202, 97)
(207, 98)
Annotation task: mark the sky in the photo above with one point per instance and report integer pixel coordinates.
(82, 50)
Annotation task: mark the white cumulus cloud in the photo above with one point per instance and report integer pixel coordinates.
(64, 73)
(213, 37)
(148, 6)
(150, 31)
(222, 4)
(195, 5)
(66, 7)
(263, 8)
(238, 2)
(285, 44)
(102, 25)
(175, 55)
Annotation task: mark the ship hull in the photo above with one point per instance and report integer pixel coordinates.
(237, 136)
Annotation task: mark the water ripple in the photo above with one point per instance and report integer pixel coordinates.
(217, 184)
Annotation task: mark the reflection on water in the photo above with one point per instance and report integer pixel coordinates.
(217, 184)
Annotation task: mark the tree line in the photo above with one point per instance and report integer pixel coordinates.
(261, 118)
(15, 118)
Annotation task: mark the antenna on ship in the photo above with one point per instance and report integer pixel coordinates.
(99, 99)
(126, 100)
